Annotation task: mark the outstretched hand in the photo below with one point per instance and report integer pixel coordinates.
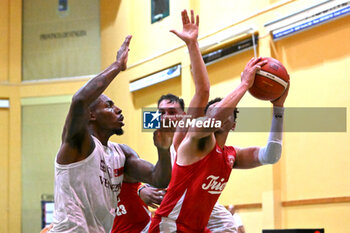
(122, 55)
(190, 28)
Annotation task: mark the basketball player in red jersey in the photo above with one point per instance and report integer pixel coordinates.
(204, 163)
(221, 220)
(133, 215)
(200, 99)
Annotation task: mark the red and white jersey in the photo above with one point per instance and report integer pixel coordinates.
(193, 192)
(132, 214)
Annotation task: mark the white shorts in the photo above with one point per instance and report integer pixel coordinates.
(221, 220)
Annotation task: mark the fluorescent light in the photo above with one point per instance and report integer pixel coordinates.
(158, 77)
(308, 18)
(231, 49)
(225, 35)
(4, 104)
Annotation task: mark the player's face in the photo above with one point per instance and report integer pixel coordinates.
(228, 124)
(170, 110)
(108, 116)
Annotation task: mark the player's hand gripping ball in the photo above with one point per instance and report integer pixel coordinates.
(271, 81)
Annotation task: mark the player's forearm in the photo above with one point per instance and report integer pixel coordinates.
(199, 70)
(271, 153)
(162, 170)
(200, 79)
(226, 106)
(96, 86)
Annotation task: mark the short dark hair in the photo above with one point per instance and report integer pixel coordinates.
(172, 98)
(93, 105)
(218, 99)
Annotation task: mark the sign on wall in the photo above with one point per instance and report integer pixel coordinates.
(61, 38)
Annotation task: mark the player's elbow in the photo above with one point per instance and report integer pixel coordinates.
(270, 154)
(78, 99)
(161, 180)
(204, 91)
(163, 183)
(201, 96)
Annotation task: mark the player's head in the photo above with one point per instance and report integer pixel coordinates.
(171, 105)
(105, 117)
(230, 122)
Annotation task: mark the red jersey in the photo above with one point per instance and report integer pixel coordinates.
(193, 192)
(132, 214)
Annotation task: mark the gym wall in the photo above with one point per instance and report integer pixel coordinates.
(289, 194)
(307, 188)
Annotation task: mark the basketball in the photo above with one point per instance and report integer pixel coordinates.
(271, 81)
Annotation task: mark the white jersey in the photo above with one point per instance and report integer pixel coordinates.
(237, 219)
(221, 220)
(86, 192)
(172, 154)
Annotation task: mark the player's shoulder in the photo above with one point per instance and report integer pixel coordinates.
(127, 150)
(110, 143)
(231, 149)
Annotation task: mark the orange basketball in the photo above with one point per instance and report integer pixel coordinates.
(271, 81)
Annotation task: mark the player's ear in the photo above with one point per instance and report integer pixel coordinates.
(92, 116)
(233, 126)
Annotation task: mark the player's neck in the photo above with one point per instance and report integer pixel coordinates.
(102, 136)
(221, 138)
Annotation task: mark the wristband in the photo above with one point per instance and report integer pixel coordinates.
(277, 124)
(141, 186)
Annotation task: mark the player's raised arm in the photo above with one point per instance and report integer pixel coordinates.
(189, 35)
(271, 153)
(222, 110)
(77, 143)
(225, 107)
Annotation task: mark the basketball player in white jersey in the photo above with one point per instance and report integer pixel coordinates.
(89, 169)
(237, 219)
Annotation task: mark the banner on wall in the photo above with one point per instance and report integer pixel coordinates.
(61, 38)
